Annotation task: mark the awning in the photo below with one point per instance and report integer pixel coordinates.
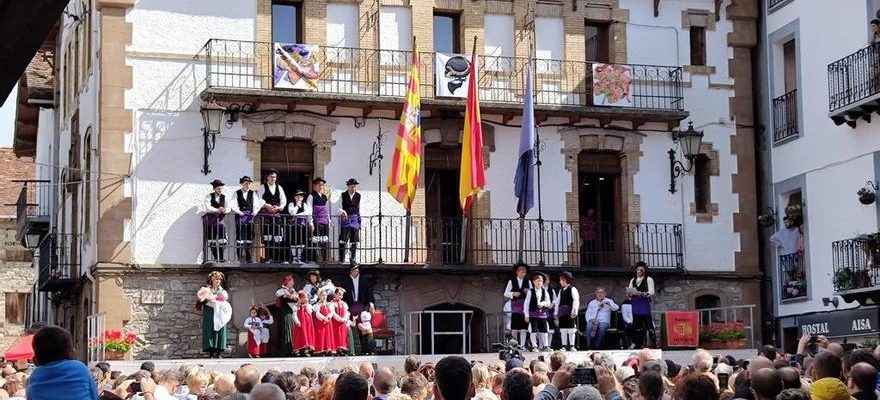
(21, 350)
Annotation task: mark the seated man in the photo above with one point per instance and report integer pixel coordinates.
(598, 318)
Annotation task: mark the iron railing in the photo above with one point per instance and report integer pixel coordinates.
(33, 201)
(855, 262)
(59, 261)
(854, 78)
(234, 64)
(792, 276)
(449, 241)
(774, 3)
(785, 116)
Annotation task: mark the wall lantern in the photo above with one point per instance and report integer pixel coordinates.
(212, 117)
(32, 240)
(689, 141)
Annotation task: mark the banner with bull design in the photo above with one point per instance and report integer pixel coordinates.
(451, 73)
(295, 66)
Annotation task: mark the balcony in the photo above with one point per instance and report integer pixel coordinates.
(856, 262)
(446, 242)
(792, 276)
(376, 79)
(59, 262)
(854, 86)
(785, 117)
(32, 212)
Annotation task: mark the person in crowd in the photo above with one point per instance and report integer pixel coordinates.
(517, 289)
(167, 384)
(651, 385)
(702, 361)
(313, 283)
(58, 375)
(769, 352)
(793, 394)
(875, 31)
(350, 221)
(299, 227)
(285, 300)
(453, 379)
(598, 317)
(213, 301)
(254, 325)
(273, 201)
(567, 305)
(304, 327)
(267, 391)
(766, 384)
(319, 202)
(339, 323)
(482, 383)
(744, 389)
(245, 204)
(411, 364)
(196, 383)
(696, 387)
(359, 297)
(517, 385)
(539, 303)
(791, 378)
(384, 382)
(351, 386)
(862, 382)
(827, 372)
(557, 360)
(324, 335)
(415, 386)
(641, 289)
(224, 385)
(246, 378)
(213, 220)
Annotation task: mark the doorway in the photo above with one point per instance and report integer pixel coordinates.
(442, 209)
(294, 161)
(452, 329)
(599, 209)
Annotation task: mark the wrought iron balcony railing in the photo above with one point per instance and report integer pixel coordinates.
(785, 116)
(32, 206)
(59, 261)
(348, 73)
(855, 264)
(444, 241)
(853, 79)
(774, 3)
(792, 276)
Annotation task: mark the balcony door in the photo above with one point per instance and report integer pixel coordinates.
(442, 209)
(294, 161)
(287, 22)
(599, 209)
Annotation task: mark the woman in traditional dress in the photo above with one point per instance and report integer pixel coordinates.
(254, 325)
(304, 327)
(285, 299)
(340, 322)
(213, 301)
(641, 288)
(324, 342)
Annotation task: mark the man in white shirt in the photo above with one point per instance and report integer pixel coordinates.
(599, 318)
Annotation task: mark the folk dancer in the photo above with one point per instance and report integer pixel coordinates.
(313, 282)
(365, 331)
(359, 297)
(245, 203)
(285, 299)
(301, 224)
(213, 301)
(339, 324)
(626, 312)
(304, 327)
(266, 319)
(274, 201)
(254, 325)
(324, 335)
(539, 303)
(516, 290)
(320, 205)
(566, 309)
(599, 318)
(641, 288)
(213, 220)
(350, 225)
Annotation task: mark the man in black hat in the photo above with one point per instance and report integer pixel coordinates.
(274, 202)
(567, 304)
(516, 290)
(213, 221)
(350, 214)
(244, 205)
(359, 297)
(320, 205)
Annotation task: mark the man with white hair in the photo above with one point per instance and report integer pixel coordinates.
(267, 391)
(702, 361)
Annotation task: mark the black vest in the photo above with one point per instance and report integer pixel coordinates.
(244, 204)
(218, 201)
(565, 297)
(318, 199)
(297, 209)
(270, 198)
(641, 288)
(533, 302)
(351, 203)
(514, 287)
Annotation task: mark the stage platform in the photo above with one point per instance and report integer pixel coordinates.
(681, 357)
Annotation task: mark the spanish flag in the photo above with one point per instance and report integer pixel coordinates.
(473, 177)
(406, 162)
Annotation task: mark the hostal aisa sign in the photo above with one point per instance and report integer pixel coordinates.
(839, 323)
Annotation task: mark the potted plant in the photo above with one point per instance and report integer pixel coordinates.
(723, 336)
(866, 196)
(843, 280)
(767, 219)
(115, 344)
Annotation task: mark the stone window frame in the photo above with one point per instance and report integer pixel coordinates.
(702, 18)
(709, 151)
(781, 192)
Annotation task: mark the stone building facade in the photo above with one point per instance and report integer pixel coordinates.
(17, 275)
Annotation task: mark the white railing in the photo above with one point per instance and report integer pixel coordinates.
(95, 325)
(413, 331)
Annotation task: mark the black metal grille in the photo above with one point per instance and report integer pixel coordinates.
(854, 261)
(854, 78)
(233, 64)
(33, 200)
(774, 3)
(793, 276)
(59, 260)
(449, 241)
(785, 116)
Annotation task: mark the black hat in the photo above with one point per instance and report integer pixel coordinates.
(299, 193)
(541, 274)
(318, 179)
(244, 179)
(315, 273)
(521, 264)
(876, 21)
(217, 182)
(353, 266)
(567, 275)
(351, 181)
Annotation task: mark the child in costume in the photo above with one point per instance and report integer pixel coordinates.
(366, 329)
(324, 338)
(340, 321)
(266, 318)
(304, 327)
(254, 326)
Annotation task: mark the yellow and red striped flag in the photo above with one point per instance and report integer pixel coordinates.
(473, 177)
(406, 162)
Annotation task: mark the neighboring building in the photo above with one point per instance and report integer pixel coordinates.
(820, 91)
(123, 140)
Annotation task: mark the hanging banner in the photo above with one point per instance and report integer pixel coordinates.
(451, 72)
(612, 85)
(295, 66)
(682, 328)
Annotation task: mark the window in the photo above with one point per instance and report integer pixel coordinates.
(286, 22)
(789, 62)
(342, 25)
(87, 185)
(596, 35)
(708, 301)
(15, 308)
(702, 188)
(698, 45)
(87, 40)
(446, 33)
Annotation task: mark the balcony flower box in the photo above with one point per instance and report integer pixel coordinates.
(718, 336)
(115, 344)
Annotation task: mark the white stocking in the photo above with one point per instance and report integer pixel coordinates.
(534, 337)
(523, 337)
(571, 336)
(543, 337)
(564, 337)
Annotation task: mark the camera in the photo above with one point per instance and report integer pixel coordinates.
(584, 376)
(509, 350)
(723, 380)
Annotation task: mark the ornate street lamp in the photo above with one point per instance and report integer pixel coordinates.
(212, 118)
(689, 141)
